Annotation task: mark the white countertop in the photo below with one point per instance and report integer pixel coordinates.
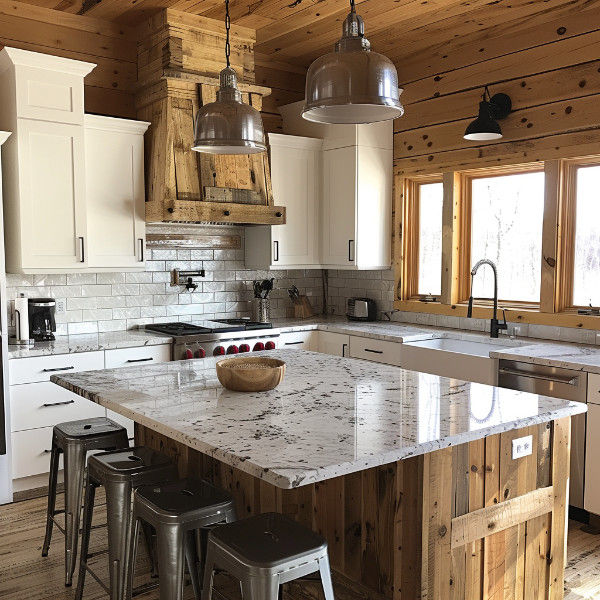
(330, 416)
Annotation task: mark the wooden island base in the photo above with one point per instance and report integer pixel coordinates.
(465, 523)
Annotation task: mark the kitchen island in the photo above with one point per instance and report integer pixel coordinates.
(409, 476)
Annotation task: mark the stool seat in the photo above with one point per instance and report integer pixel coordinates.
(134, 465)
(184, 500)
(268, 540)
(87, 428)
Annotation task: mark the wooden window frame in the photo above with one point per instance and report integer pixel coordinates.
(465, 231)
(409, 279)
(567, 220)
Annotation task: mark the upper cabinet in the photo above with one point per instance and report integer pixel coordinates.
(342, 218)
(296, 179)
(73, 183)
(114, 157)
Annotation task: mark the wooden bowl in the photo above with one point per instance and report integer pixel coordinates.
(250, 374)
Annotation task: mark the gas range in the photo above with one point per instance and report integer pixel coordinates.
(217, 338)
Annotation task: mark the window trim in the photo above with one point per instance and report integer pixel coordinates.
(465, 231)
(409, 279)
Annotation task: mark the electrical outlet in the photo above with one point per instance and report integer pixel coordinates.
(61, 307)
(522, 447)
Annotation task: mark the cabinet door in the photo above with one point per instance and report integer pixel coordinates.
(335, 344)
(115, 198)
(52, 196)
(339, 207)
(296, 185)
(591, 497)
(374, 208)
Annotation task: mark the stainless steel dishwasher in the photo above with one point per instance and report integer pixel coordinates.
(557, 383)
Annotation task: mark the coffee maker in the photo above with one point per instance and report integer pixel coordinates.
(41, 319)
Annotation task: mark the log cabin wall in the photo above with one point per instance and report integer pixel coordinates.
(551, 71)
(109, 88)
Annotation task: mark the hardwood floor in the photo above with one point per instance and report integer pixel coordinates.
(24, 574)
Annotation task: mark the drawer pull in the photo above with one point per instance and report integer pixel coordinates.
(517, 373)
(47, 452)
(136, 360)
(373, 351)
(47, 404)
(57, 369)
(293, 343)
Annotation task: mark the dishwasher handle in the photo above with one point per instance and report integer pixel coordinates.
(564, 380)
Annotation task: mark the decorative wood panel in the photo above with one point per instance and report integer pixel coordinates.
(463, 522)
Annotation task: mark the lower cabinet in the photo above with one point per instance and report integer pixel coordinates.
(387, 353)
(303, 340)
(591, 495)
(336, 344)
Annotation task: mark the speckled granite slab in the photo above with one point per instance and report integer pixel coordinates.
(69, 344)
(567, 356)
(329, 417)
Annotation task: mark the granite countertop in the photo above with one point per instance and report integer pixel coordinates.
(69, 344)
(330, 416)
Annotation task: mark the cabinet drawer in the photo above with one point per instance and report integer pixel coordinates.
(593, 393)
(304, 340)
(44, 404)
(375, 350)
(128, 357)
(40, 368)
(30, 452)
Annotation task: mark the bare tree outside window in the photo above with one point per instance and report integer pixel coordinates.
(586, 280)
(506, 227)
(431, 196)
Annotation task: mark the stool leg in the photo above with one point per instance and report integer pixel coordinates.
(326, 577)
(52, 480)
(75, 455)
(118, 518)
(260, 588)
(191, 558)
(88, 513)
(132, 556)
(148, 532)
(209, 571)
(170, 560)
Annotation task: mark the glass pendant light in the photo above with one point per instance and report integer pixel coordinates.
(352, 84)
(485, 127)
(228, 126)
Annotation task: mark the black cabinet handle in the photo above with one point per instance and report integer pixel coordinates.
(48, 404)
(293, 343)
(350, 245)
(57, 369)
(81, 249)
(226, 213)
(373, 351)
(276, 250)
(141, 240)
(278, 214)
(136, 360)
(344, 346)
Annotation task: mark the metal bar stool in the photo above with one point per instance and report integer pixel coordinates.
(176, 511)
(75, 439)
(263, 552)
(120, 472)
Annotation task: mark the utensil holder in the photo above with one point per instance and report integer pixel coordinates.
(261, 310)
(301, 309)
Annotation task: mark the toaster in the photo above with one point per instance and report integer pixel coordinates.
(361, 309)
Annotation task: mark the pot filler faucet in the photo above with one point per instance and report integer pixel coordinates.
(495, 326)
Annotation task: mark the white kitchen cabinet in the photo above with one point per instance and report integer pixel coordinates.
(304, 340)
(381, 351)
(357, 208)
(115, 199)
(296, 180)
(336, 344)
(591, 495)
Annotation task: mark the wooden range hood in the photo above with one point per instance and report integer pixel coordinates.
(179, 60)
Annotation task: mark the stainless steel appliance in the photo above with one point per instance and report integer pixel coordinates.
(41, 319)
(217, 338)
(361, 309)
(556, 383)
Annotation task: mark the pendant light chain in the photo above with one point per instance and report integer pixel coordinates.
(227, 28)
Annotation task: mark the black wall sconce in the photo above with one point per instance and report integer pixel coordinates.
(485, 127)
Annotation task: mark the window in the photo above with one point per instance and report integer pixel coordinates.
(422, 237)
(586, 258)
(506, 214)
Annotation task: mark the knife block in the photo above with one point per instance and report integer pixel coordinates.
(301, 309)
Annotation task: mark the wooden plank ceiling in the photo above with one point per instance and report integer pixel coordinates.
(298, 31)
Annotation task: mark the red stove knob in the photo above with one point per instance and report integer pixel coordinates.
(258, 347)
(188, 354)
(200, 353)
(219, 351)
(233, 349)
(244, 348)
(270, 346)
